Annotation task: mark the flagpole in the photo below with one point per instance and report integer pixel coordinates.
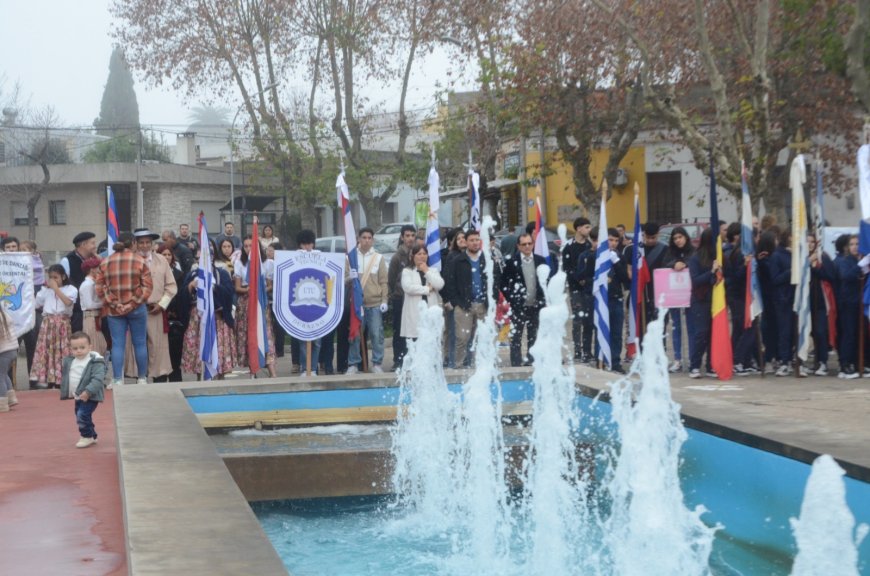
(308, 358)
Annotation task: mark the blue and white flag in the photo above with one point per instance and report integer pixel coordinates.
(603, 264)
(356, 293)
(433, 228)
(753, 303)
(208, 349)
(864, 231)
(474, 191)
(800, 264)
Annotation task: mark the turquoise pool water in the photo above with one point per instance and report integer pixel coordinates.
(751, 493)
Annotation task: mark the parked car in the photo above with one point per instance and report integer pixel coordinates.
(693, 228)
(389, 234)
(337, 244)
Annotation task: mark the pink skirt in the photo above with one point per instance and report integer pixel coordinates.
(191, 363)
(52, 346)
(89, 327)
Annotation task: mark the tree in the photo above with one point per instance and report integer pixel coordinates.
(856, 54)
(119, 109)
(220, 48)
(577, 75)
(124, 148)
(737, 81)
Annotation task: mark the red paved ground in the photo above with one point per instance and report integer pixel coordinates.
(60, 507)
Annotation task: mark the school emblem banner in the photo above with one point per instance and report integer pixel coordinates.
(308, 292)
(16, 290)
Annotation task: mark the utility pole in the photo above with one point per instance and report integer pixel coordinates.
(543, 186)
(524, 189)
(140, 203)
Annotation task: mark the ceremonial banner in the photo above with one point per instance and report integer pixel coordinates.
(672, 289)
(16, 290)
(721, 355)
(309, 292)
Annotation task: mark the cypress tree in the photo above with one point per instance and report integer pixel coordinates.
(119, 110)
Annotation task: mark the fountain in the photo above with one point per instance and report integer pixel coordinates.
(454, 509)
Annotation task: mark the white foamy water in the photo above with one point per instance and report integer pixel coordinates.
(330, 430)
(651, 531)
(826, 536)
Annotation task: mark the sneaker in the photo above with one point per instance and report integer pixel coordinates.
(618, 369)
(804, 372)
(85, 442)
(677, 366)
(750, 371)
(695, 373)
(11, 397)
(116, 383)
(822, 370)
(141, 381)
(376, 368)
(784, 370)
(739, 370)
(352, 370)
(771, 367)
(711, 374)
(848, 373)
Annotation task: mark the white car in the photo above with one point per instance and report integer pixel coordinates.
(389, 234)
(337, 244)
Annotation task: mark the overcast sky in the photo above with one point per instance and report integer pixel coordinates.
(59, 52)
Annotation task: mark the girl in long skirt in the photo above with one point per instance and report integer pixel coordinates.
(52, 345)
(191, 360)
(240, 277)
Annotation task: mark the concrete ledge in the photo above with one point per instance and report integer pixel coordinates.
(183, 512)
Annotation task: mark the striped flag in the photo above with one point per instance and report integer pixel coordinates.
(356, 295)
(639, 277)
(721, 355)
(474, 192)
(603, 264)
(541, 247)
(433, 228)
(257, 302)
(111, 220)
(827, 288)
(208, 350)
(753, 305)
(800, 264)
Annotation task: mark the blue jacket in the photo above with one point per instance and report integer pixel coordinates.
(780, 276)
(734, 270)
(93, 378)
(848, 282)
(703, 279)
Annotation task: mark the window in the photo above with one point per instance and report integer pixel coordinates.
(19, 214)
(57, 212)
(2, 153)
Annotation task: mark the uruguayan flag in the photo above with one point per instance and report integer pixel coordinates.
(603, 264)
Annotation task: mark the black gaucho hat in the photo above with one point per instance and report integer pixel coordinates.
(82, 236)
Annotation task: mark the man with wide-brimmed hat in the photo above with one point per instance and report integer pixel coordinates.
(164, 290)
(85, 247)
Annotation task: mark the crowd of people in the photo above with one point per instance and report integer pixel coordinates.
(139, 304)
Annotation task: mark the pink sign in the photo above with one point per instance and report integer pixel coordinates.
(672, 289)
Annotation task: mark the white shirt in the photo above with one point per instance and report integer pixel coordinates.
(88, 295)
(51, 304)
(241, 270)
(75, 374)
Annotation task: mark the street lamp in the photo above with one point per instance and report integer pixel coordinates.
(232, 153)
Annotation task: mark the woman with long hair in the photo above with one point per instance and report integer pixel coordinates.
(222, 291)
(455, 247)
(240, 279)
(224, 257)
(8, 354)
(680, 249)
(703, 268)
(268, 237)
(420, 284)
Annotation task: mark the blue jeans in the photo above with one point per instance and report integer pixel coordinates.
(84, 417)
(373, 324)
(303, 354)
(136, 321)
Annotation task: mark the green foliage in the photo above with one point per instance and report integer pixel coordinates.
(122, 148)
(119, 110)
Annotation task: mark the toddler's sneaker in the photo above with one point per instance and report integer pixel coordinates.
(85, 442)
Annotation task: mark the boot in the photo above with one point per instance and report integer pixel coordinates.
(4, 404)
(11, 397)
